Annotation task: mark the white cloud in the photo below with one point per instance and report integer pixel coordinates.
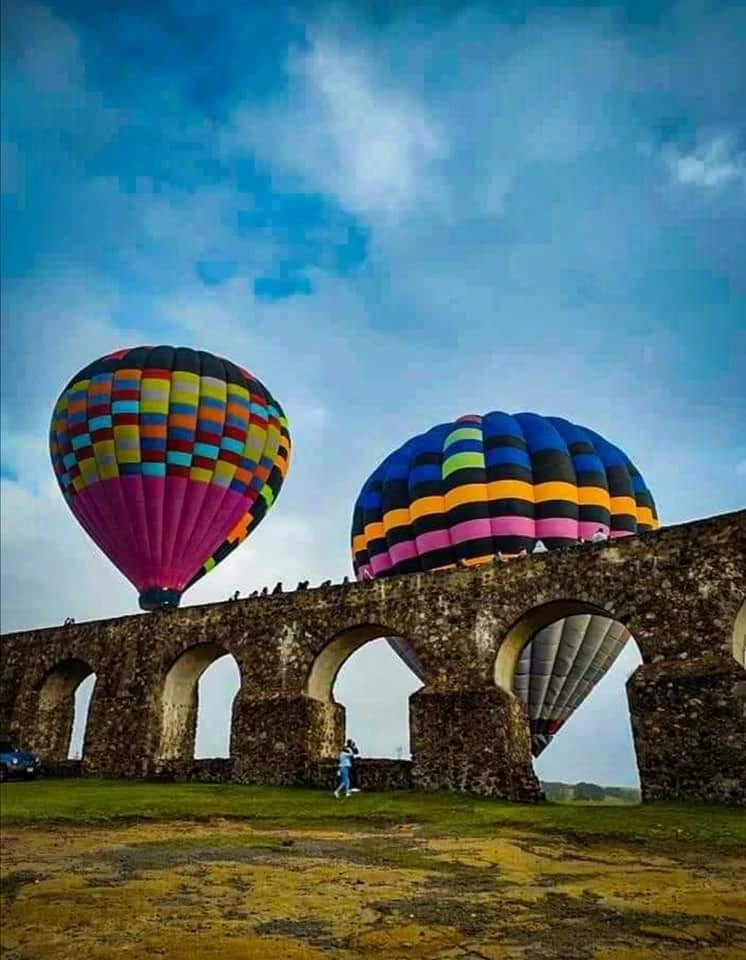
(376, 143)
(714, 163)
(287, 547)
(350, 131)
(201, 224)
(53, 325)
(49, 564)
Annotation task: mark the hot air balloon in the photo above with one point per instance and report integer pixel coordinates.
(169, 458)
(466, 491)
(560, 666)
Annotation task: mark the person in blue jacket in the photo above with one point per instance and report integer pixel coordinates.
(344, 769)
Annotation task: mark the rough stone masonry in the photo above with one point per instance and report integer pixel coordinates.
(680, 590)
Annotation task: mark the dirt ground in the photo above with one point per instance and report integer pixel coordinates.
(224, 890)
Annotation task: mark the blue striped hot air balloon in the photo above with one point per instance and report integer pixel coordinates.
(466, 491)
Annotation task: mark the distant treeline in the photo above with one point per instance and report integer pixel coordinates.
(554, 790)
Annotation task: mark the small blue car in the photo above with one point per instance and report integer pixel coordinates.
(15, 762)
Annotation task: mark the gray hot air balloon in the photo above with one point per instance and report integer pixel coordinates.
(560, 666)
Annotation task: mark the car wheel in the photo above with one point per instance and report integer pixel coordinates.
(3, 772)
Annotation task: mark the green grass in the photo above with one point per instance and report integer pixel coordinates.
(50, 802)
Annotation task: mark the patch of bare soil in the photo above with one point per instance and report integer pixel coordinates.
(223, 890)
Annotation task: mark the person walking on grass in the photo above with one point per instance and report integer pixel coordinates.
(343, 771)
(354, 769)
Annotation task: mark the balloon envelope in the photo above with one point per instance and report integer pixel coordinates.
(482, 485)
(169, 458)
(559, 668)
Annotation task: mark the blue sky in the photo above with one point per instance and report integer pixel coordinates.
(393, 219)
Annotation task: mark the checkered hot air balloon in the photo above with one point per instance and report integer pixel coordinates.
(169, 458)
(498, 484)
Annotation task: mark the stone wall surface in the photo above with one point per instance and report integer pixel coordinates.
(217, 770)
(452, 740)
(373, 774)
(670, 703)
(62, 769)
(679, 591)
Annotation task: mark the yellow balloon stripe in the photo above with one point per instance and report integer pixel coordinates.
(501, 490)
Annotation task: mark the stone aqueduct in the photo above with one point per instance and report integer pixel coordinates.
(680, 591)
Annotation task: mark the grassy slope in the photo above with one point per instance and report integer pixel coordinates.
(85, 801)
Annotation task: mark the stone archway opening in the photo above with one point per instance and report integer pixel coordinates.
(739, 636)
(217, 689)
(197, 704)
(569, 663)
(367, 675)
(65, 697)
(83, 698)
(739, 652)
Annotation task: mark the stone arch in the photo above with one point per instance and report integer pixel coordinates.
(180, 699)
(56, 708)
(739, 636)
(570, 621)
(330, 715)
(328, 662)
(529, 623)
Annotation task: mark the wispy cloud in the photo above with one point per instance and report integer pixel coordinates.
(348, 130)
(715, 163)
(376, 145)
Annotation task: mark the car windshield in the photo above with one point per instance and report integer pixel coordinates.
(7, 747)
